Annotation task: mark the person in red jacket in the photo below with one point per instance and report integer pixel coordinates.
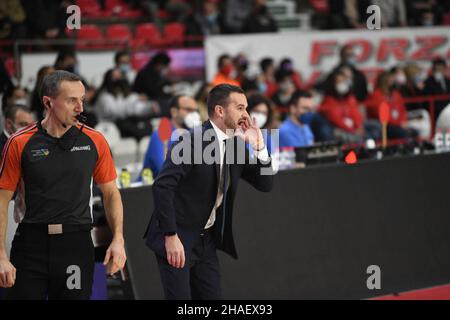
(385, 91)
(341, 109)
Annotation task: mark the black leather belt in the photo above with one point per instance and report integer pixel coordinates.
(55, 228)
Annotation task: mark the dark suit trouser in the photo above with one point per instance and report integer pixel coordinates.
(200, 277)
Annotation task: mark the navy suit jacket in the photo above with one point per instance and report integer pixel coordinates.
(185, 194)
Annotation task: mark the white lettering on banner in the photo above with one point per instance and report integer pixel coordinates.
(315, 53)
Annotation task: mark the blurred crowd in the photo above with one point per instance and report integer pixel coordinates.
(340, 106)
(47, 18)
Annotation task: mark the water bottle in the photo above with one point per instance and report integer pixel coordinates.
(125, 178)
(147, 176)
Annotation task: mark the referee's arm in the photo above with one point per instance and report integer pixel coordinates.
(7, 270)
(115, 255)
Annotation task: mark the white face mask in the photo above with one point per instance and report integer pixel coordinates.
(21, 101)
(342, 88)
(439, 76)
(192, 119)
(260, 118)
(400, 78)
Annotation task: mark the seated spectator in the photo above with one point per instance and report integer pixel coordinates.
(438, 84)
(184, 115)
(260, 109)
(386, 92)
(14, 95)
(260, 19)
(267, 83)
(358, 79)
(235, 14)
(122, 61)
(227, 72)
(341, 108)
(206, 19)
(393, 12)
(286, 89)
(12, 18)
(425, 12)
(415, 85)
(36, 103)
(17, 117)
(295, 130)
(46, 18)
(115, 102)
(287, 66)
(153, 81)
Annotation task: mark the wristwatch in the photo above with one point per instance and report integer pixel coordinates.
(171, 233)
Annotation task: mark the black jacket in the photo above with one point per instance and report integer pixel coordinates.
(185, 194)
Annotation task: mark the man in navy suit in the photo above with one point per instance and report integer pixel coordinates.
(194, 195)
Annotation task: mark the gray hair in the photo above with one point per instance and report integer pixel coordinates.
(52, 81)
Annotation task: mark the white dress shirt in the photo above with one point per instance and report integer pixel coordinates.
(262, 155)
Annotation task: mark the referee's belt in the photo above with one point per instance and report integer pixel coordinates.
(55, 228)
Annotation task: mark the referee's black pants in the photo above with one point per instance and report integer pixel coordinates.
(52, 266)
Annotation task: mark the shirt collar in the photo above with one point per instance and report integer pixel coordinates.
(219, 133)
(6, 133)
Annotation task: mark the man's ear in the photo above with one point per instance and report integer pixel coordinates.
(46, 102)
(219, 109)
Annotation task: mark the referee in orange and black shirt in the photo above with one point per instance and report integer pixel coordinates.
(54, 163)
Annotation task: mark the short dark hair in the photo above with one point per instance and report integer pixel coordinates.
(265, 63)
(120, 54)
(219, 96)
(221, 59)
(257, 99)
(10, 112)
(439, 61)
(297, 95)
(52, 81)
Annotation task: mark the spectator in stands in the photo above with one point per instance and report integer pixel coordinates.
(286, 89)
(14, 95)
(400, 79)
(17, 117)
(438, 84)
(36, 102)
(387, 92)
(393, 12)
(227, 72)
(341, 108)
(122, 61)
(424, 12)
(67, 60)
(359, 82)
(235, 14)
(356, 13)
(153, 80)
(12, 18)
(260, 19)
(287, 66)
(260, 109)
(205, 20)
(46, 18)
(415, 85)
(5, 79)
(115, 102)
(295, 130)
(200, 98)
(267, 83)
(241, 65)
(184, 115)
